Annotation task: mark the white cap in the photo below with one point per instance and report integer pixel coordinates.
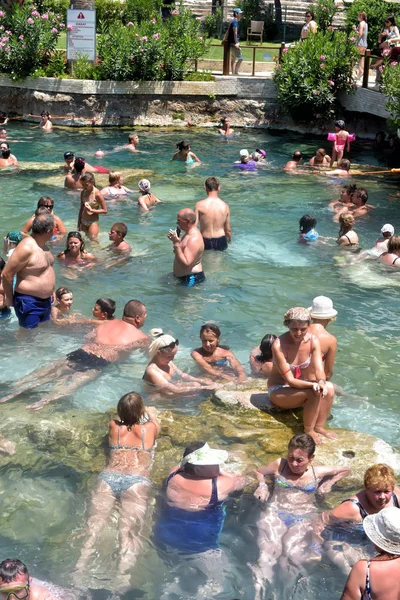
(244, 152)
(322, 308)
(388, 228)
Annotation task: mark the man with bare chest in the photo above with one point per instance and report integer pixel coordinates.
(32, 263)
(189, 250)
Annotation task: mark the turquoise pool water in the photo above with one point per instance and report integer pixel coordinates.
(247, 290)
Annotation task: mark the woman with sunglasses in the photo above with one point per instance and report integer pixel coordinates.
(48, 203)
(75, 251)
(309, 25)
(162, 373)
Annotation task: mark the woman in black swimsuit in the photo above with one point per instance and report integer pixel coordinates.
(347, 236)
(392, 256)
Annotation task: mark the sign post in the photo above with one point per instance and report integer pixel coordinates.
(81, 38)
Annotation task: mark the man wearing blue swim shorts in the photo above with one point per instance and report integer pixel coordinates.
(32, 263)
(188, 250)
(214, 218)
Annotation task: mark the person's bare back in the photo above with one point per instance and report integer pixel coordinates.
(213, 217)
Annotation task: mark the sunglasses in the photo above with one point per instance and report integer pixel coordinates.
(170, 346)
(20, 593)
(48, 205)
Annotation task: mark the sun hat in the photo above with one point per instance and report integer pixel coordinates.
(298, 313)
(205, 456)
(388, 228)
(244, 152)
(238, 11)
(14, 236)
(322, 308)
(144, 185)
(261, 152)
(383, 529)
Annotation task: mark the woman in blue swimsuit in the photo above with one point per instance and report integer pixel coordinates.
(217, 361)
(285, 529)
(184, 154)
(125, 479)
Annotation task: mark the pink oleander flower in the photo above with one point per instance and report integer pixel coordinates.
(69, 27)
(322, 57)
(62, 25)
(331, 82)
(174, 12)
(154, 21)
(8, 32)
(21, 37)
(144, 38)
(315, 93)
(5, 39)
(394, 63)
(355, 86)
(322, 65)
(352, 38)
(386, 52)
(278, 67)
(381, 68)
(54, 31)
(130, 24)
(2, 14)
(24, 46)
(7, 48)
(285, 50)
(1, 27)
(2, 45)
(201, 38)
(156, 36)
(331, 28)
(45, 17)
(35, 14)
(54, 21)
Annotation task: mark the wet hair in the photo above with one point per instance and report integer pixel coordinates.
(134, 308)
(114, 177)
(302, 441)
(363, 195)
(363, 15)
(344, 164)
(2, 263)
(350, 189)
(306, 223)
(391, 19)
(321, 151)
(5, 144)
(78, 236)
(394, 243)
(189, 471)
(310, 12)
(10, 568)
(45, 113)
(340, 124)
(107, 306)
(5, 152)
(346, 221)
(120, 228)
(79, 164)
(224, 120)
(210, 327)
(43, 223)
(266, 348)
(131, 137)
(88, 178)
(183, 145)
(44, 200)
(212, 184)
(62, 291)
(68, 154)
(131, 409)
(297, 156)
(42, 210)
(379, 475)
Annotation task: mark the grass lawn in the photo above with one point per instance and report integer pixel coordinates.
(217, 53)
(62, 41)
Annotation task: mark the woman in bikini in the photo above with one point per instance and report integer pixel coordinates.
(131, 439)
(284, 529)
(261, 357)
(161, 373)
(217, 361)
(347, 236)
(147, 198)
(48, 203)
(298, 377)
(184, 154)
(92, 205)
(75, 251)
(392, 256)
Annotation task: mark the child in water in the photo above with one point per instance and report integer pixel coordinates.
(340, 143)
(63, 304)
(307, 225)
(92, 205)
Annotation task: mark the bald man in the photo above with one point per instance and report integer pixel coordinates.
(188, 250)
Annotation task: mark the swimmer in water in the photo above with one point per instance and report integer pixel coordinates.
(343, 169)
(321, 159)
(62, 305)
(6, 146)
(346, 197)
(69, 164)
(261, 357)
(147, 198)
(72, 180)
(381, 244)
(48, 203)
(117, 235)
(298, 376)
(75, 251)
(392, 256)
(45, 124)
(132, 146)
(116, 187)
(216, 360)
(184, 154)
(347, 236)
(5, 159)
(293, 164)
(307, 226)
(284, 529)
(104, 309)
(246, 162)
(226, 130)
(92, 205)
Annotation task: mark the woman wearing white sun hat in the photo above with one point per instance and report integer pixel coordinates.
(322, 313)
(378, 578)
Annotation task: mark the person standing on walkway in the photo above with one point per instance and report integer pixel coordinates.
(233, 40)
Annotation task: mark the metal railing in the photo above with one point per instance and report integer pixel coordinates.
(227, 51)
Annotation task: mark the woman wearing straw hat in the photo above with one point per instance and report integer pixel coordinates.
(298, 377)
(322, 313)
(378, 578)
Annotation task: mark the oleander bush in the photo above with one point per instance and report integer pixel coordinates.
(390, 85)
(324, 11)
(312, 72)
(27, 39)
(376, 11)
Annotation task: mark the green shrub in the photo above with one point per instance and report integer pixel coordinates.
(324, 11)
(212, 24)
(390, 85)
(29, 38)
(200, 76)
(312, 72)
(108, 12)
(377, 11)
(83, 68)
(140, 11)
(57, 65)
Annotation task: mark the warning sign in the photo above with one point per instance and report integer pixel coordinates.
(81, 38)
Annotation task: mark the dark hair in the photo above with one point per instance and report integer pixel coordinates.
(88, 178)
(310, 12)
(120, 228)
(44, 200)
(210, 327)
(391, 19)
(363, 195)
(61, 291)
(11, 568)
(79, 164)
(266, 348)
(6, 143)
(297, 155)
(302, 441)
(5, 152)
(134, 308)
(45, 113)
(78, 236)
(340, 124)
(107, 306)
(131, 409)
(306, 223)
(350, 189)
(212, 184)
(344, 164)
(42, 210)
(189, 471)
(2, 263)
(69, 155)
(43, 223)
(183, 145)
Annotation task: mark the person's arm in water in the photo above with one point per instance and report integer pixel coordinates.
(17, 261)
(155, 377)
(152, 412)
(218, 372)
(262, 491)
(329, 476)
(355, 584)
(175, 156)
(227, 227)
(195, 158)
(28, 226)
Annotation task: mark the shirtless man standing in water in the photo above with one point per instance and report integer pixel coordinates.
(189, 250)
(32, 263)
(214, 218)
(112, 341)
